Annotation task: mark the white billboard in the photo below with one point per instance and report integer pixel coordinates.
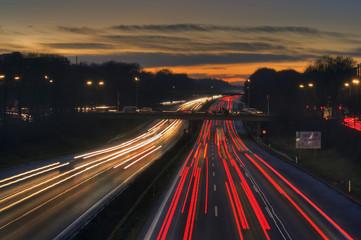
(308, 140)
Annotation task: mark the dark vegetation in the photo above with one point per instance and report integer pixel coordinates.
(39, 94)
(58, 135)
(302, 109)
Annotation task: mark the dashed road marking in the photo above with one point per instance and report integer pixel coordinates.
(215, 210)
(214, 174)
(212, 164)
(214, 187)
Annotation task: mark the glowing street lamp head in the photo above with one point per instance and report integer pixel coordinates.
(101, 83)
(356, 81)
(347, 84)
(17, 78)
(51, 81)
(89, 83)
(302, 86)
(46, 77)
(310, 84)
(136, 79)
(2, 76)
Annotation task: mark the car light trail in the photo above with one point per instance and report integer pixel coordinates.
(306, 198)
(236, 197)
(24, 173)
(33, 175)
(142, 157)
(129, 159)
(288, 197)
(206, 201)
(168, 219)
(192, 209)
(234, 212)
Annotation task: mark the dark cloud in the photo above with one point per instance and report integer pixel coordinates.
(81, 30)
(210, 28)
(146, 38)
(163, 59)
(79, 45)
(180, 44)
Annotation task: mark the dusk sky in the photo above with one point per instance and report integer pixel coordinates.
(227, 39)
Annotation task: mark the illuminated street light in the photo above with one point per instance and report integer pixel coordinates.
(356, 81)
(136, 79)
(17, 78)
(310, 84)
(101, 83)
(2, 76)
(89, 83)
(302, 86)
(51, 81)
(46, 77)
(347, 84)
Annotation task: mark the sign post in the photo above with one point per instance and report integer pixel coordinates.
(308, 140)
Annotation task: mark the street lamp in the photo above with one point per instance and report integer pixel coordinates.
(101, 83)
(302, 86)
(310, 84)
(249, 90)
(356, 82)
(136, 79)
(89, 83)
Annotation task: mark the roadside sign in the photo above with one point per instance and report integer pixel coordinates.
(308, 140)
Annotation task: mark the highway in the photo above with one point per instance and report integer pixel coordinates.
(52, 199)
(224, 190)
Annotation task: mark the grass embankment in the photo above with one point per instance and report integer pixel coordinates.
(125, 216)
(56, 136)
(336, 163)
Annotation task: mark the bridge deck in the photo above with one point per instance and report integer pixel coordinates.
(183, 115)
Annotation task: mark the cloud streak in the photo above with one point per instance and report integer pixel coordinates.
(212, 28)
(79, 45)
(170, 60)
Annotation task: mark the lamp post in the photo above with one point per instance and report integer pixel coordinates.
(136, 79)
(3, 82)
(356, 82)
(249, 90)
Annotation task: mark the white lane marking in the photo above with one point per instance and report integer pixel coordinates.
(214, 174)
(212, 164)
(215, 210)
(214, 187)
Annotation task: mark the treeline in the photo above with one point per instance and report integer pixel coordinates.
(42, 84)
(327, 83)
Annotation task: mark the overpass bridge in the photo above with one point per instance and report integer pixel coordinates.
(185, 115)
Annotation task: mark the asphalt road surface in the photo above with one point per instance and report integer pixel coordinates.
(52, 199)
(225, 190)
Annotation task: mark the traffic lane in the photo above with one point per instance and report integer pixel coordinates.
(171, 139)
(222, 223)
(59, 213)
(77, 178)
(338, 207)
(305, 226)
(281, 215)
